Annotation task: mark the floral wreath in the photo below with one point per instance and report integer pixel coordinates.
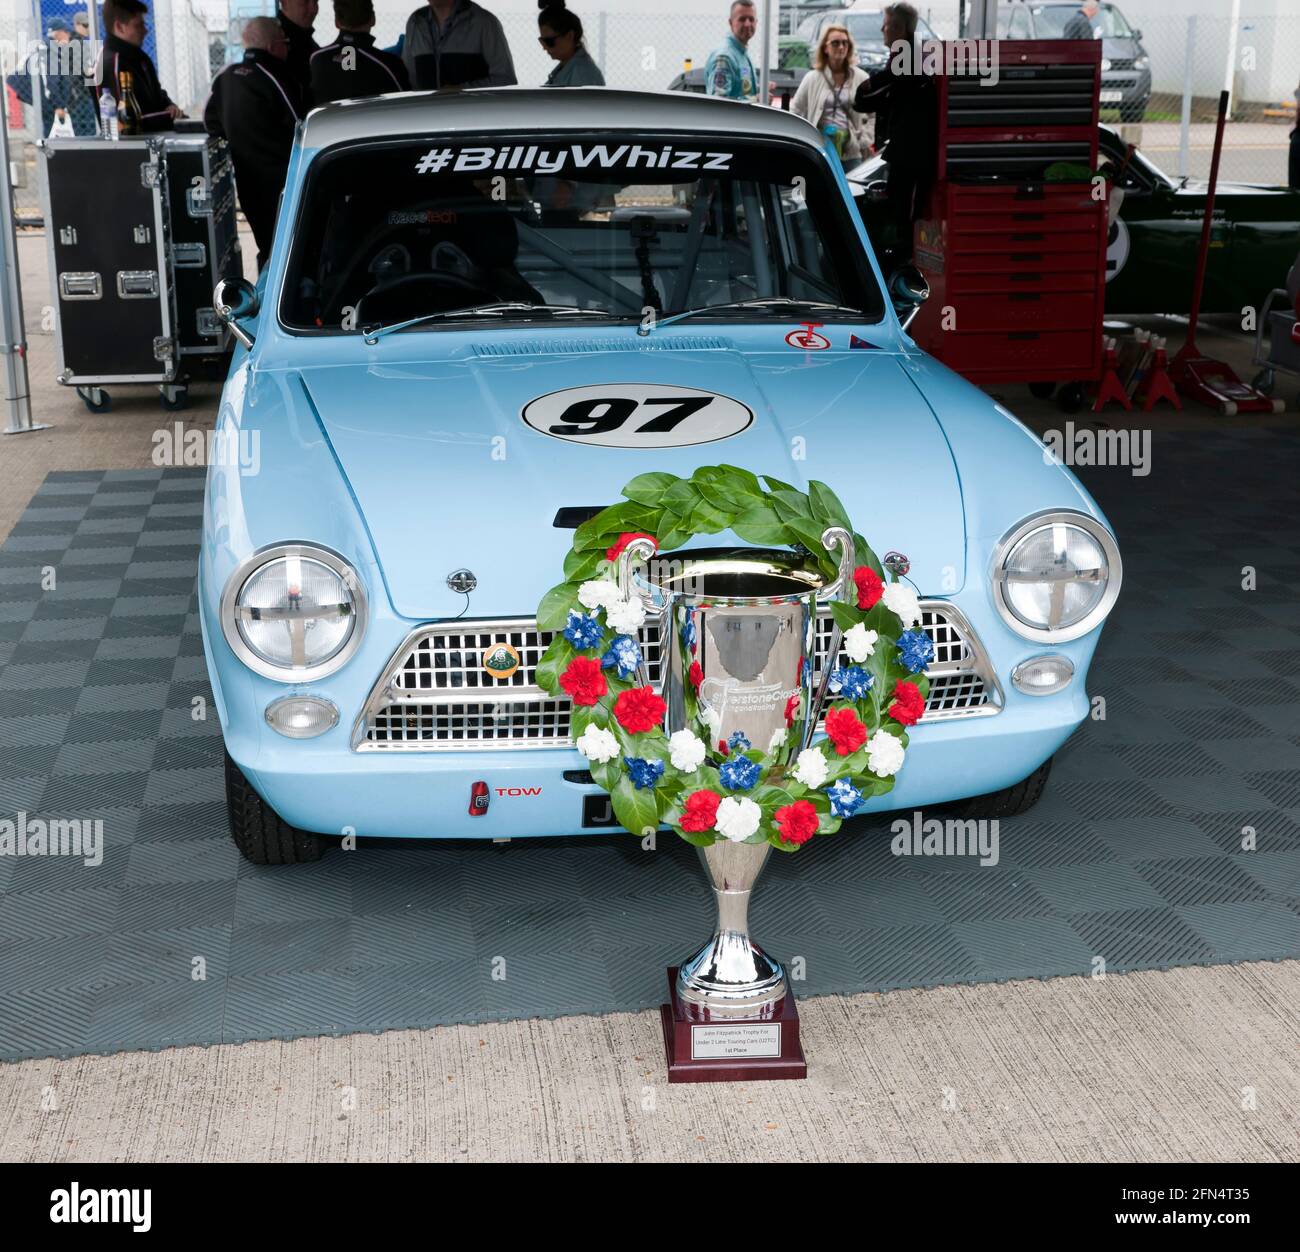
(704, 787)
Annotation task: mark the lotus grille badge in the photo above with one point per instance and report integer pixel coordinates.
(500, 660)
(897, 564)
(462, 580)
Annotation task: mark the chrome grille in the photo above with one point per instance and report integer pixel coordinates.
(435, 695)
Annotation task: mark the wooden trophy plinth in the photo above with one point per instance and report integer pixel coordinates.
(732, 1049)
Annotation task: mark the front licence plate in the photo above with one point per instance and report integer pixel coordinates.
(597, 812)
(1111, 97)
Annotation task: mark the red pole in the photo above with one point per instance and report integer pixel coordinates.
(1189, 348)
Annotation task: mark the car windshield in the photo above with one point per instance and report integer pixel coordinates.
(1050, 21)
(576, 228)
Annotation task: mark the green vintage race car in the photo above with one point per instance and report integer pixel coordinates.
(1151, 256)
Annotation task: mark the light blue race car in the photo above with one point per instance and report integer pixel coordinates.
(486, 312)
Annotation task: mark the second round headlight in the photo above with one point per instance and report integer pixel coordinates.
(1057, 576)
(294, 612)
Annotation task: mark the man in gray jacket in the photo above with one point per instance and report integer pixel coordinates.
(457, 43)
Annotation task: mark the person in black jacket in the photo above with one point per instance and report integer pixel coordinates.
(903, 99)
(255, 106)
(297, 19)
(351, 66)
(125, 29)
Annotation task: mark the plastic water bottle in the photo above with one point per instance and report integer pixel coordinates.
(108, 115)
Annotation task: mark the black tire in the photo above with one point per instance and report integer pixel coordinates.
(1070, 398)
(96, 399)
(260, 834)
(1042, 391)
(1011, 801)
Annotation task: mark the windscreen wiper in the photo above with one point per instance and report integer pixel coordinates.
(768, 302)
(374, 333)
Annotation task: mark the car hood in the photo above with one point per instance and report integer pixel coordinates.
(447, 474)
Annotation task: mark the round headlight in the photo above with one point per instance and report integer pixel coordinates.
(293, 612)
(1056, 576)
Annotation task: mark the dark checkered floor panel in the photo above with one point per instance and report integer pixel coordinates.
(1134, 858)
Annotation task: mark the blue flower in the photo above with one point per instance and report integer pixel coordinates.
(846, 799)
(623, 654)
(643, 773)
(739, 773)
(583, 630)
(854, 682)
(689, 633)
(805, 672)
(915, 651)
(739, 741)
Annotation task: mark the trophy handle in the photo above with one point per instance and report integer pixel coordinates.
(638, 552)
(843, 588)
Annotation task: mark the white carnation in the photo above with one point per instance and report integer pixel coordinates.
(859, 642)
(686, 751)
(811, 768)
(625, 617)
(901, 599)
(884, 754)
(777, 740)
(737, 818)
(598, 744)
(598, 593)
(712, 719)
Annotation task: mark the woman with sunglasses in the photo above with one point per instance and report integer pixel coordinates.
(560, 32)
(825, 97)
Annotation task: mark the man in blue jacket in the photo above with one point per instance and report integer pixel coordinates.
(729, 72)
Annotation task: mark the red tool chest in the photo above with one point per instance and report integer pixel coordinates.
(1016, 263)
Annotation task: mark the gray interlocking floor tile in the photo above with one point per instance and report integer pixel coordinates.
(1134, 853)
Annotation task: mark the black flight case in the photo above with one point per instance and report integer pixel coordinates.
(139, 233)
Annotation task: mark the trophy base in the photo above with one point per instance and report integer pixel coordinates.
(730, 1049)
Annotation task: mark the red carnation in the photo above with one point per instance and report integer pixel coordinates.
(870, 586)
(845, 730)
(701, 811)
(908, 703)
(797, 821)
(612, 554)
(791, 706)
(639, 710)
(696, 675)
(584, 680)
(723, 748)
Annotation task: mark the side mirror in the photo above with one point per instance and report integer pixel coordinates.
(908, 290)
(233, 299)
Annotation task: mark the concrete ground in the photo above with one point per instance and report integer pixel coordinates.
(1191, 1064)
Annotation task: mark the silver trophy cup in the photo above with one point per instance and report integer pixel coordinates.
(747, 618)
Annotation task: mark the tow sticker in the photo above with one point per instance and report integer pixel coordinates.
(637, 415)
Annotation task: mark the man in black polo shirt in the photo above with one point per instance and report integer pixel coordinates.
(351, 66)
(255, 105)
(124, 32)
(297, 19)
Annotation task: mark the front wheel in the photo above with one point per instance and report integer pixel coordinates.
(1010, 801)
(259, 832)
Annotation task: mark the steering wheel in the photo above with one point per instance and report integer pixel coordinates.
(408, 285)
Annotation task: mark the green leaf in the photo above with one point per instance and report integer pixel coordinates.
(846, 615)
(581, 567)
(636, 808)
(673, 538)
(681, 497)
(775, 484)
(791, 503)
(649, 488)
(809, 533)
(826, 506)
(702, 839)
(746, 481)
(707, 519)
(553, 612)
(761, 526)
(605, 774)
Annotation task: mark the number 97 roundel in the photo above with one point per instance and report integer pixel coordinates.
(637, 415)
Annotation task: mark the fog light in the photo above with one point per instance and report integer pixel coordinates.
(1043, 675)
(301, 717)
